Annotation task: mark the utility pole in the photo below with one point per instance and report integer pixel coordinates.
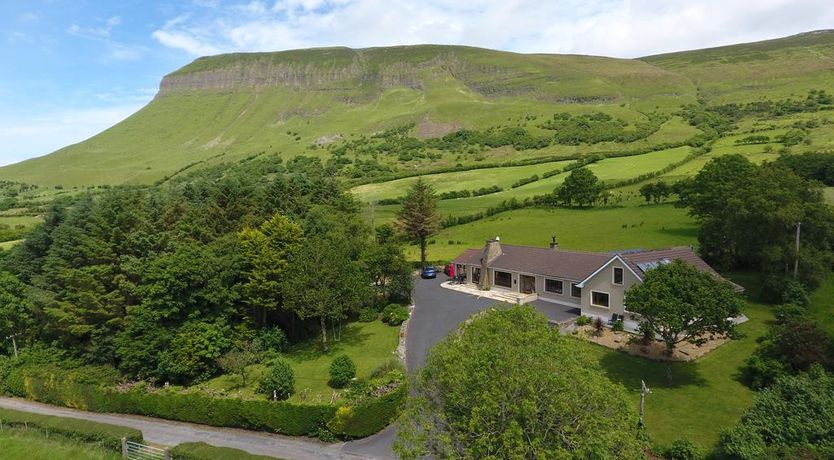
(373, 219)
(644, 390)
(14, 343)
(796, 259)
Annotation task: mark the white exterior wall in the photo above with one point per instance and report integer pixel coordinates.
(604, 282)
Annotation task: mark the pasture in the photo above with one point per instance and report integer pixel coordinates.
(29, 444)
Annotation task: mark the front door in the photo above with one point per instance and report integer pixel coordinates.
(476, 275)
(528, 284)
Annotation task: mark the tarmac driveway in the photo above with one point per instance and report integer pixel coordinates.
(437, 312)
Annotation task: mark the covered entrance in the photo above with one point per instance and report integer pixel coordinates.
(528, 284)
(476, 275)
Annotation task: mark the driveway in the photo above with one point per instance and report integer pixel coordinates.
(437, 312)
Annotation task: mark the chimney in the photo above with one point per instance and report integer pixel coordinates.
(492, 250)
(553, 243)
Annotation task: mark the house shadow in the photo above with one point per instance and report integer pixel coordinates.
(629, 370)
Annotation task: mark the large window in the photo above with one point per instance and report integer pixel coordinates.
(554, 286)
(618, 275)
(575, 291)
(504, 279)
(599, 299)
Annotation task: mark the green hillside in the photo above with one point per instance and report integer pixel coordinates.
(229, 107)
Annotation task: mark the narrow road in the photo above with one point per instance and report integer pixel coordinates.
(170, 433)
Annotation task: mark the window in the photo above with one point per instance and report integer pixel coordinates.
(503, 279)
(554, 286)
(599, 299)
(618, 275)
(575, 291)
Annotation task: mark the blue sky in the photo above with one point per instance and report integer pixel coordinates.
(73, 68)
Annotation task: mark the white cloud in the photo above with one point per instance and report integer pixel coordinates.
(25, 137)
(623, 28)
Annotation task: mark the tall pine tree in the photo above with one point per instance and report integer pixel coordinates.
(418, 218)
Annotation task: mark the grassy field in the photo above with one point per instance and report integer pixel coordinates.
(829, 194)
(367, 344)
(6, 245)
(22, 444)
(596, 229)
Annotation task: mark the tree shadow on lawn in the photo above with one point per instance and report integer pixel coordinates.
(310, 350)
(628, 370)
(686, 232)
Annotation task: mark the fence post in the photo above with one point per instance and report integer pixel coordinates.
(124, 447)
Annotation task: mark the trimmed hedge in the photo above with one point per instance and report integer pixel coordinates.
(109, 436)
(50, 386)
(370, 416)
(203, 451)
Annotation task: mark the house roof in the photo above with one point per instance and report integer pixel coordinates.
(579, 266)
(569, 265)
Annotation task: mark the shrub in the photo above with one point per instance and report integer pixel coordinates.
(599, 326)
(386, 367)
(279, 380)
(367, 315)
(109, 436)
(394, 314)
(342, 370)
(271, 339)
(583, 321)
(618, 326)
(795, 293)
(370, 415)
(683, 449)
(203, 451)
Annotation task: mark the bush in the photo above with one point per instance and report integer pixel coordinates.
(583, 321)
(109, 436)
(61, 387)
(342, 370)
(394, 314)
(618, 326)
(370, 415)
(795, 293)
(386, 367)
(203, 451)
(683, 449)
(271, 339)
(279, 380)
(367, 315)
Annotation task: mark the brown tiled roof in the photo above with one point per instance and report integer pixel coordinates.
(469, 256)
(569, 265)
(684, 253)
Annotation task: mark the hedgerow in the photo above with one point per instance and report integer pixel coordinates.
(203, 451)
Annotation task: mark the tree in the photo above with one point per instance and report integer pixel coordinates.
(193, 352)
(15, 310)
(238, 360)
(648, 192)
(581, 186)
(506, 385)
(680, 303)
(795, 413)
(342, 370)
(278, 381)
(266, 250)
(418, 218)
(325, 283)
(387, 267)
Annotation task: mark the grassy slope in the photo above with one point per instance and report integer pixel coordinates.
(18, 444)
(777, 69)
(822, 307)
(367, 344)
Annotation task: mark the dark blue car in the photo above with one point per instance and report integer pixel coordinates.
(428, 272)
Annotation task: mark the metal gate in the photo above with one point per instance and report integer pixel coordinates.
(136, 451)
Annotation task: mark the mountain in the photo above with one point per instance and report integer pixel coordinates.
(231, 107)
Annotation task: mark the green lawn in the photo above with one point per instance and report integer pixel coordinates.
(367, 344)
(703, 397)
(595, 229)
(6, 245)
(21, 444)
(829, 194)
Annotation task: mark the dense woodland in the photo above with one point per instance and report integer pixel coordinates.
(161, 281)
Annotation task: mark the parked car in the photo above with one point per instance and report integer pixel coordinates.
(428, 272)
